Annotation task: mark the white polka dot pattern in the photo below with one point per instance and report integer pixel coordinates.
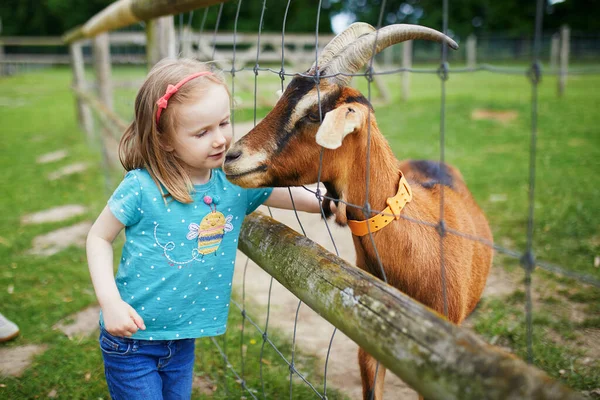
(160, 258)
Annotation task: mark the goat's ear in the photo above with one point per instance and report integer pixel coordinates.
(338, 123)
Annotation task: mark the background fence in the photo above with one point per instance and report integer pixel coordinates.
(128, 46)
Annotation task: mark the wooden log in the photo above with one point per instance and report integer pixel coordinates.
(84, 114)
(438, 359)
(149, 9)
(122, 13)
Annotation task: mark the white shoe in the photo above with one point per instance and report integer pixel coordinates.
(8, 329)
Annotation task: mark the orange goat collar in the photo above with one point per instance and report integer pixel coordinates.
(381, 220)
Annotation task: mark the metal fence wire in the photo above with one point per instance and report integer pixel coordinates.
(526, 258)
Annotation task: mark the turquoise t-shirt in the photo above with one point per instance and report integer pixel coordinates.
(178, 259)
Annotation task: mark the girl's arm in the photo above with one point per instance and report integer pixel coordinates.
(303, 199)
(120, 318)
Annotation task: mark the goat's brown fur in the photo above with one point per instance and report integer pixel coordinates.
(409, 252)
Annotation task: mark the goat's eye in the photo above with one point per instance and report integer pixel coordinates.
(313, 117)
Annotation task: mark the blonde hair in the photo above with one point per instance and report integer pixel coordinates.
(144, 143)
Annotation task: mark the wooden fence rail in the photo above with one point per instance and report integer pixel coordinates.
(122, 13)
(438, 359)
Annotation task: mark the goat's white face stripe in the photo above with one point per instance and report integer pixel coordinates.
(308, 101)
(251, 161)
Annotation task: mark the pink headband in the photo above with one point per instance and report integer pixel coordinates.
(171, 90)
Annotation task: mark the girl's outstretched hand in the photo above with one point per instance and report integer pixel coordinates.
(120, 319)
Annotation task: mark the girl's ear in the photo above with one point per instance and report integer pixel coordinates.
(165, 143)
(168, 148)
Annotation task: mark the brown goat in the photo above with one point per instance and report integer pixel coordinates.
(285, 148)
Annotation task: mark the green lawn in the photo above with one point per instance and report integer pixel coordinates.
(38, 116)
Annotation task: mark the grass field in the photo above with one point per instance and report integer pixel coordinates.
(38, 116)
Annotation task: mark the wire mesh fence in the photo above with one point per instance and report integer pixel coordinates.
(497, 48)
(526, 257)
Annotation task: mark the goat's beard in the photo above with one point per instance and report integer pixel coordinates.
(246, 182)
(250, 180)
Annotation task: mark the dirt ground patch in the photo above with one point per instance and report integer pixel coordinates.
(494, 115)
(67, 170)
(591, 343)
(55, 241)
(82, 323)
(203, 385)
(54, 214)
(14, 360)
(51, 157)
(501, 283)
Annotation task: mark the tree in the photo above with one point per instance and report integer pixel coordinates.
(47, 17)
(516, 17)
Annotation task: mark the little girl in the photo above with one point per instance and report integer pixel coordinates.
(182, 220)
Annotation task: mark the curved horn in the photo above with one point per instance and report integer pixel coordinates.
(338, 43)
(358, 53)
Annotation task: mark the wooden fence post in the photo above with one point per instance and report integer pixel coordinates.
(2, 69)
(101, 47)
(471, 51)
(406, 63)
(152, 55)
(102, 66)
(160, 40)
(564, 59)
(168, 43)
(186, 42)
(388, 56)
(84, 113)
(384, 93)
(554, 48)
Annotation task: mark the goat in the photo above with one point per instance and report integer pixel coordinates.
(285, 148)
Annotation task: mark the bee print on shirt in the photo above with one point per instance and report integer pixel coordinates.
(212, 228)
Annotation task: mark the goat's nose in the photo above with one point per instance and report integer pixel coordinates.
(232, 155)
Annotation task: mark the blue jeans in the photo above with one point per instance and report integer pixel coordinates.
(147, 369)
